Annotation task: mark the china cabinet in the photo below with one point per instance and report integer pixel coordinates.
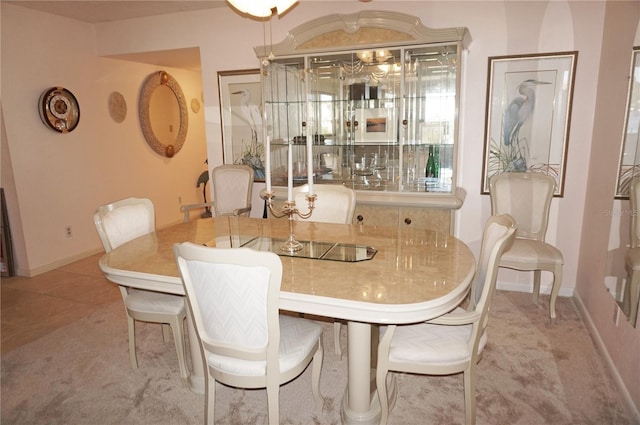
(377, 96)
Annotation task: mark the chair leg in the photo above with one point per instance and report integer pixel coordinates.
(537, 274)
(381, 386)
(132, 342)
(316, 367)
(177, 326)
(210, 399)
(166, 331)
(131, 327)
(337, 326)
(555, 289)
(470, 395)
(273, 402)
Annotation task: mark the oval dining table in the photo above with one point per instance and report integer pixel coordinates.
(389, 275)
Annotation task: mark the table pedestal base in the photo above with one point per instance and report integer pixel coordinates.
(360, 404)
(372, 416)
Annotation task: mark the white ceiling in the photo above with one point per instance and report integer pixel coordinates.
(97, 11)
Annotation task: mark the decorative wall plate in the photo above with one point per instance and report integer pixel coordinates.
(195, 105)
(59, 109)
(117, 106)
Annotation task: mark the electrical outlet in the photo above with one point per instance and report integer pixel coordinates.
(179, 199)
(67, 232)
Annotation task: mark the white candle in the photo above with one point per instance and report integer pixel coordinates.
(290, 172)
(267, 164)
(310, 170)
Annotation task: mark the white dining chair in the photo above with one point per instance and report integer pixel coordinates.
(334, 204)
(451, 343)
(232, 186)
(527, 198)
(121, 222)
(232, 189)
(234, 298)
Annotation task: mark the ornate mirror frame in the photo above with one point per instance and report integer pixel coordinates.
(150, 84)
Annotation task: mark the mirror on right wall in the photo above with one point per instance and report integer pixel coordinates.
(623, 262)
(629, 166)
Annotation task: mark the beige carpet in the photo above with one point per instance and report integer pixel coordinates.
(531, 373)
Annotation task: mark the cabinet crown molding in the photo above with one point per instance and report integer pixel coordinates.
(366, 28)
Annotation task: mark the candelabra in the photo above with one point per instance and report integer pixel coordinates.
(289, 210)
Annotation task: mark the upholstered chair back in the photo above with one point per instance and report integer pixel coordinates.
(527, 198)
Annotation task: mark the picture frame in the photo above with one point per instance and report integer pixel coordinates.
(528, 113)
(240, 95)
(629, 165)
(375, 125)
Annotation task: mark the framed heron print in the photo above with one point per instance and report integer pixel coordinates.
(240, 94)
(528, 114)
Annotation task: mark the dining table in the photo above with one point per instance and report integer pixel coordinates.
(365, 275)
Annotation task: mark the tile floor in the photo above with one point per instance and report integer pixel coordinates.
(32, 307)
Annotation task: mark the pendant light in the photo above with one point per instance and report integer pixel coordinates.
(262, 8)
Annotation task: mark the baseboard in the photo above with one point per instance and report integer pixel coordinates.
(544, 289)
(632, 408)
(56, 264)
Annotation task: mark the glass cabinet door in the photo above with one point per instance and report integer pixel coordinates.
(285, 110)
(430, 88)
(378, 119)
(354, 102)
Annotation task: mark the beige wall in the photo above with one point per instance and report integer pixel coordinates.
(226, 41)
(60, 179)
(621, 340)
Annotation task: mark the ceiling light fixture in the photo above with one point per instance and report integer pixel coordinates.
(262, 8)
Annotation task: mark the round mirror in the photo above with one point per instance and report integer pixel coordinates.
(163, 114)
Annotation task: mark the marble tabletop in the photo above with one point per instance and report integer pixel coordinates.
(415, 274)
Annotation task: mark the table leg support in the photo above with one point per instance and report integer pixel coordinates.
(360, 404)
